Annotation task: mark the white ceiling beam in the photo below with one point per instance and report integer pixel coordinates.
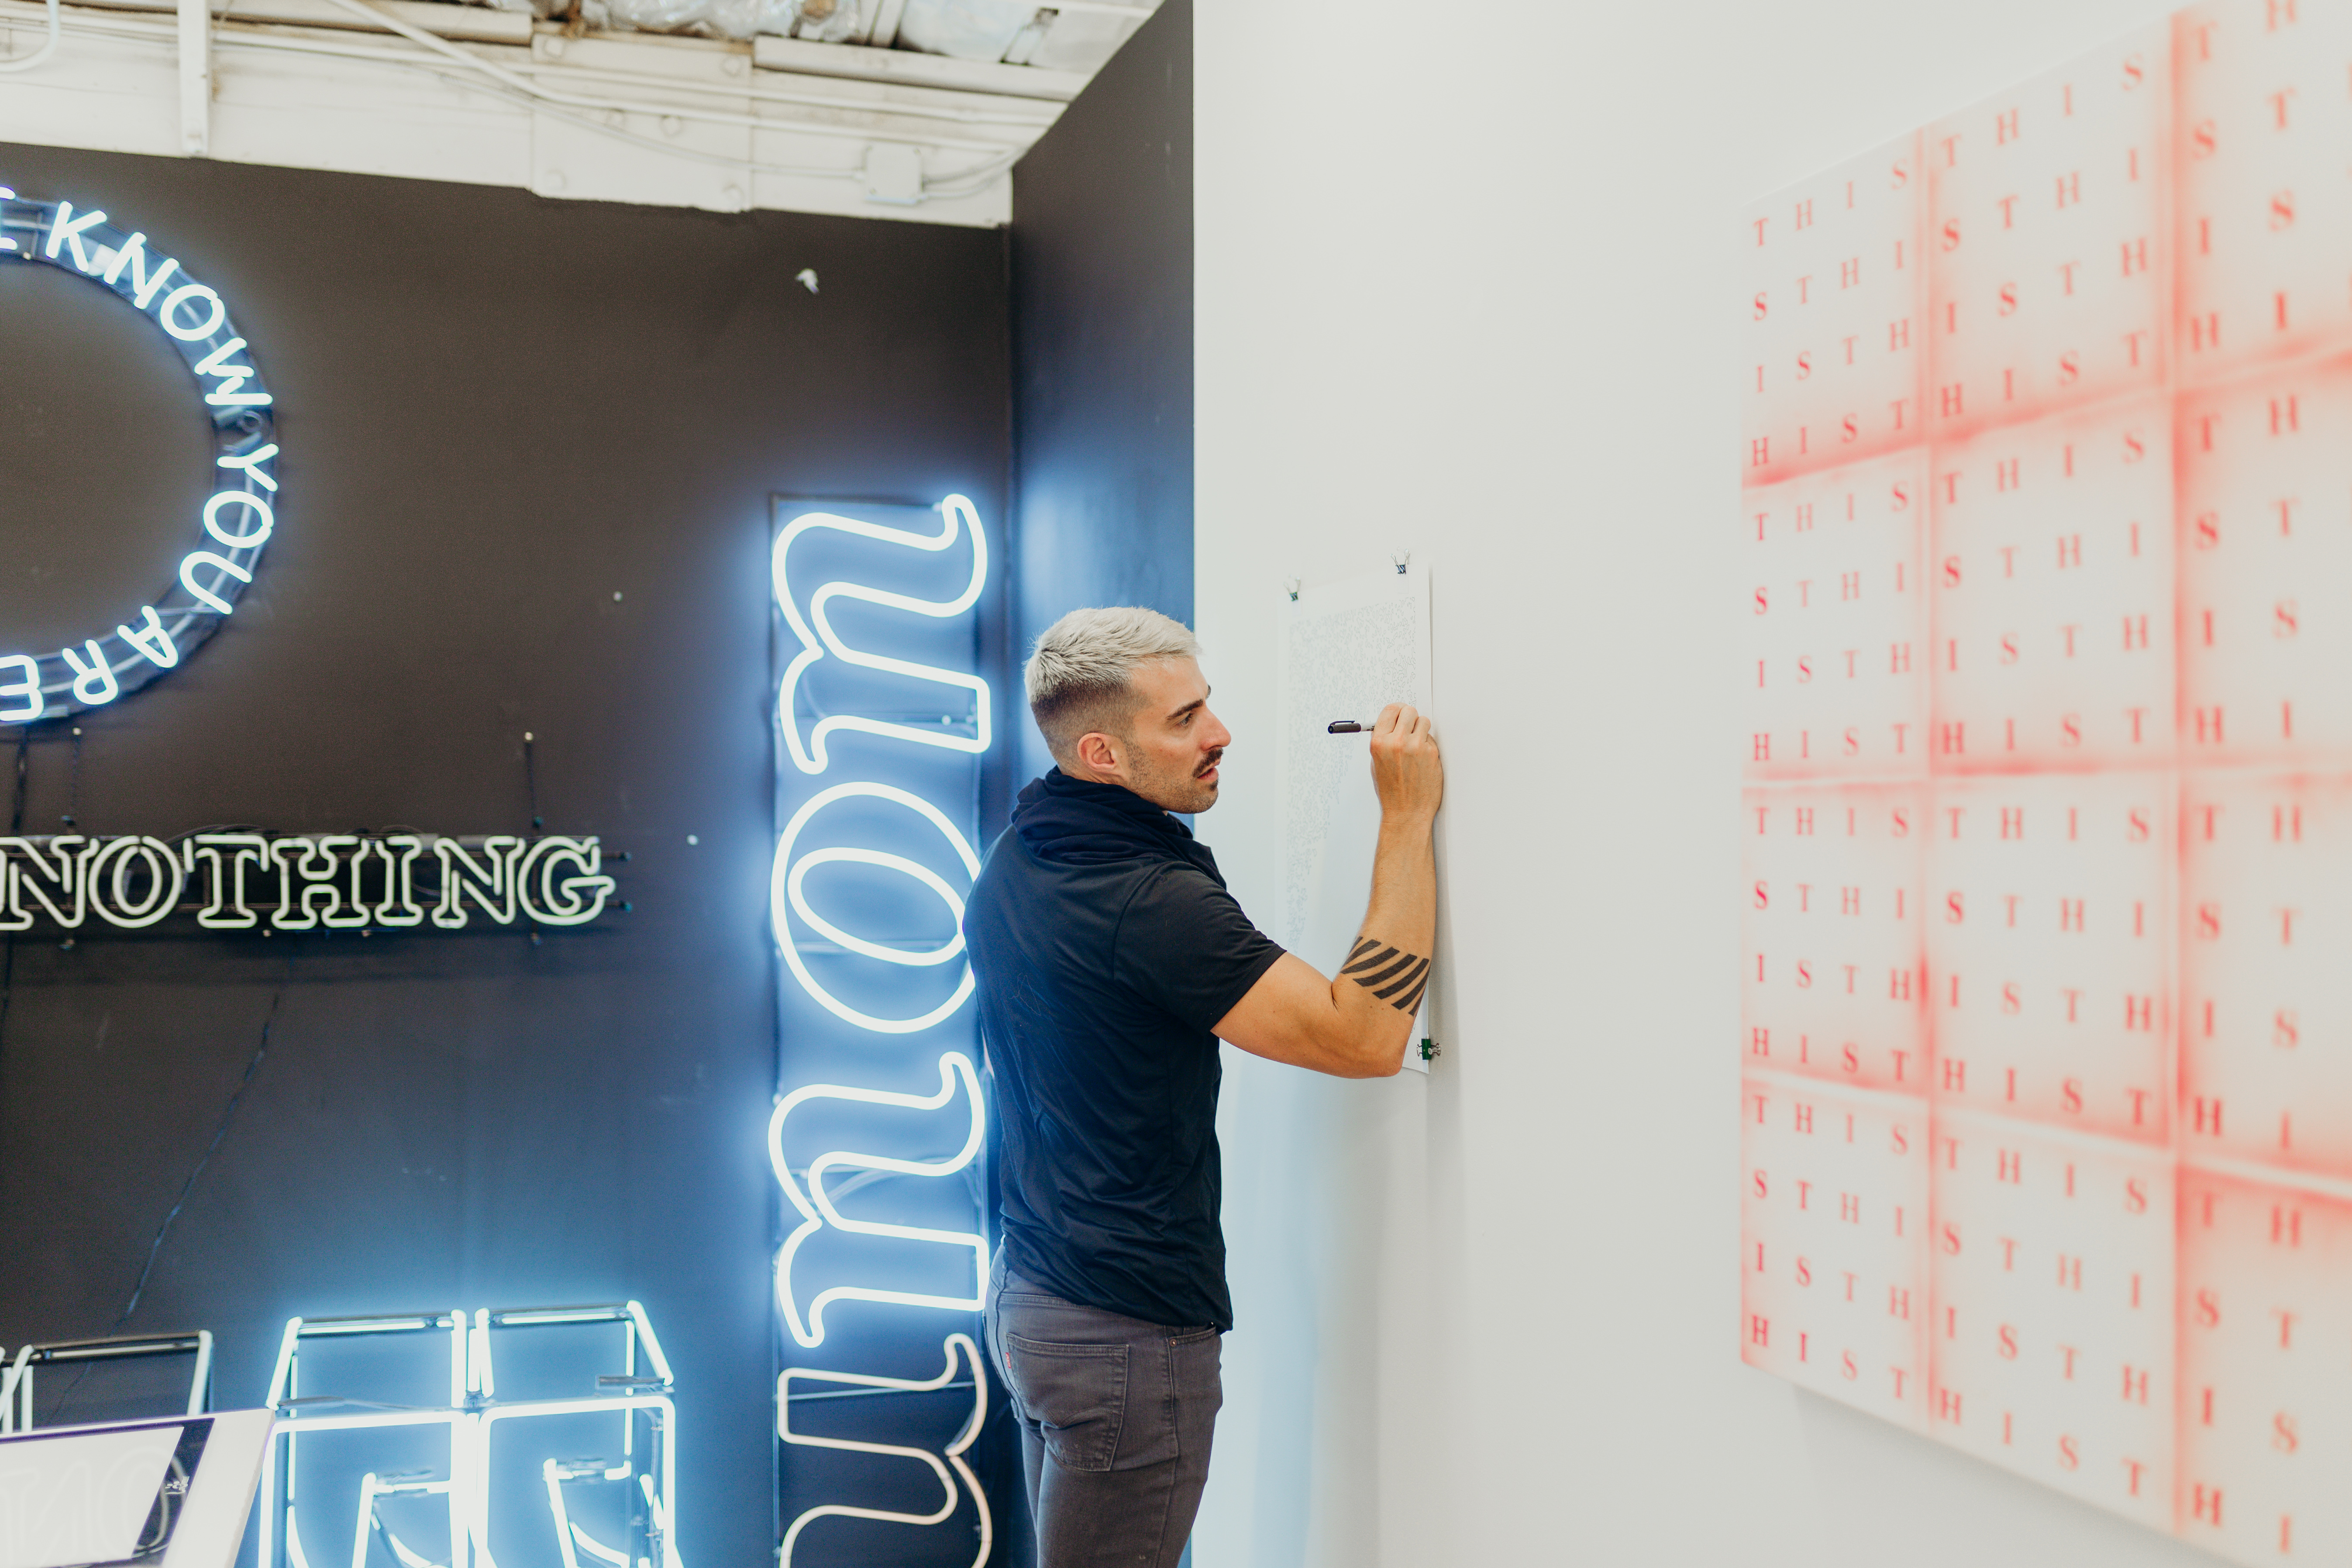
(619, 69)
(662, 121)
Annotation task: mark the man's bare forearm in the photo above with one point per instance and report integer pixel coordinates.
(1379, 989)
(1356, 1024)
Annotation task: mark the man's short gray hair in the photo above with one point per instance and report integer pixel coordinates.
(1078, 675)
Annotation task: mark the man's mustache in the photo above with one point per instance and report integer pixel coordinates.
(1214, 758)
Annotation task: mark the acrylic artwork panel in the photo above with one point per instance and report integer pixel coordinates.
(2046, 1034)
(1347, 649)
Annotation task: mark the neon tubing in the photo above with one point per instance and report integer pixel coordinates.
(784, 894)
(816, 1208)
(952, 1454)
(956, 514)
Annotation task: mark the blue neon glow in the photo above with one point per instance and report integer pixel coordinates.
(647, 1422)
(817, 1211)
(817, 637)
(786, 898)
(951, 1456)
(801, 1307)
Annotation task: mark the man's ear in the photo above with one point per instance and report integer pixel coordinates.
(1095, 752)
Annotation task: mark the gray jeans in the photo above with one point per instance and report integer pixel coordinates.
(1115, 1417)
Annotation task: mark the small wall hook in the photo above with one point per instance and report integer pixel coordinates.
(1290, 586)
(1402, 558)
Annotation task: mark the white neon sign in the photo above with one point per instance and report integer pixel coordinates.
(789, 902)
(648, 1428)
(817, 637)
(248, 882)
(952, 1455)
(816, 1208)
(238, 517)
(788, 896)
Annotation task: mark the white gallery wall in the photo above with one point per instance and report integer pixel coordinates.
(1465, 288)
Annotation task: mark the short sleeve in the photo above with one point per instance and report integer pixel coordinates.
(1185, 944)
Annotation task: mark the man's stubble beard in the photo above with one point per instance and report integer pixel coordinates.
(1183, 792)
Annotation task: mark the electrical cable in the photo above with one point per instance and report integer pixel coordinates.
(156, 1248)
(530, 786)
(531, 780)
(73, 780)
(588, 122)
(970, 181)
(894, 108)
(982, 174)
(228, 1115)
(8, 963)
(41, 55)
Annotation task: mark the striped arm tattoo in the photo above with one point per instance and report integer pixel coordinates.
(1396, 978)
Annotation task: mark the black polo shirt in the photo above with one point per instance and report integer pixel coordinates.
(1100, 976)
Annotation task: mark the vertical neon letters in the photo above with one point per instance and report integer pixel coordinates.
(799, 925)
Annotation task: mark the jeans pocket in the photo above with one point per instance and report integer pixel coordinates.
(1196, 1371)
(1075, 1393)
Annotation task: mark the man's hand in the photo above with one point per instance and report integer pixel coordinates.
(1406, 773)
(1358, 1024)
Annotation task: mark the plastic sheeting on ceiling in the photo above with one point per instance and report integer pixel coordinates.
(1014, 32)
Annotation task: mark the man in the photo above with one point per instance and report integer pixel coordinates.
(1110, 961)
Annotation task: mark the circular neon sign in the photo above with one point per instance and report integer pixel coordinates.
(237, 518)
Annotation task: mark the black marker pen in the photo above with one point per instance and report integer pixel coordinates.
(1345, 727)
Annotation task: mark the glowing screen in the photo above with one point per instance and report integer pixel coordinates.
(2046, 1034)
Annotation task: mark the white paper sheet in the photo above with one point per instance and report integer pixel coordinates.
(70, 1500)
(1347, 650)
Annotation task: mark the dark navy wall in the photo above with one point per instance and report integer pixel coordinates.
(1102, 346)
(529, 452)
(530, 447)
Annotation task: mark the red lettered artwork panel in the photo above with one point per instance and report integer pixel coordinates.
(2046, 883)
(1836, 1285)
